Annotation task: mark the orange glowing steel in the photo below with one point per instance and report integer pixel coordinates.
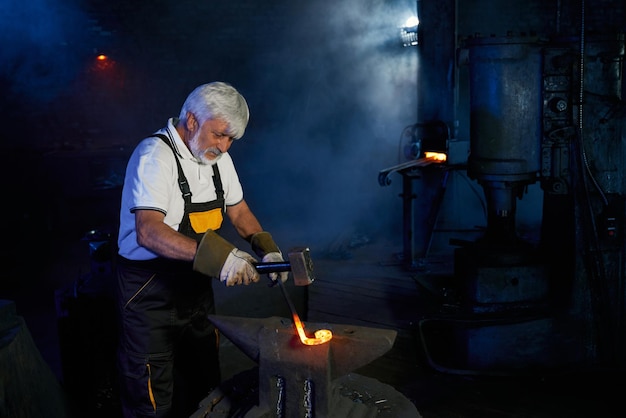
(435, 156)
(321, 336)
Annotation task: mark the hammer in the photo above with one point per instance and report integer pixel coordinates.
(300, 264)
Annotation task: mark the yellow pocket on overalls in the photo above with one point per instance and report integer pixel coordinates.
(203, 221)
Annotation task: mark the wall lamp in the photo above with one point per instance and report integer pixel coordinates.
(408, 32)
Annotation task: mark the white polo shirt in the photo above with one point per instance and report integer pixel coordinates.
(151, 182)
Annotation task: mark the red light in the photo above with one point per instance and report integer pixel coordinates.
(101, 57)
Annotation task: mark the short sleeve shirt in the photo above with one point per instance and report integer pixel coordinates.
(151, 182)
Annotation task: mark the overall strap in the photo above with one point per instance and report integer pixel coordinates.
(182, 180)
(217, 181)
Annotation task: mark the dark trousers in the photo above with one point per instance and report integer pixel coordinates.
(168, 349)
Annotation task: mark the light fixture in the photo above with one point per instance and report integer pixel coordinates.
(408, 32)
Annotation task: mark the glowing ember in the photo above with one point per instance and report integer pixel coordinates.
(321, 336)
(435, 156)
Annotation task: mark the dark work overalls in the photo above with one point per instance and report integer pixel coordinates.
(168, 356)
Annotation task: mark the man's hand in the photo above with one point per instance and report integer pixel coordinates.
(264, 246)
(239, 269)
(275, 257)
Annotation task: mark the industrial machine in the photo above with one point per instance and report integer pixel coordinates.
(427, 153)
(546, 111)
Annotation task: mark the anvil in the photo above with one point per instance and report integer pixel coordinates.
(295, 379)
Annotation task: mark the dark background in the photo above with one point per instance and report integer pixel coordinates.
(329, 86)
(332, 92)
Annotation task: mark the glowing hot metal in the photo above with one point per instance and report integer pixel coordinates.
(321, 336)
(435, 156)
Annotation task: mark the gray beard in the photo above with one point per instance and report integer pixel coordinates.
(200, 154)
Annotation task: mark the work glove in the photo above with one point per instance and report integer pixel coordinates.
(239, 269)
(264, 246)
(217, 257)
(273, 257)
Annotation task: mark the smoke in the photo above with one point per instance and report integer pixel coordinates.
(329, 101)
(329, 86)
(38, 57)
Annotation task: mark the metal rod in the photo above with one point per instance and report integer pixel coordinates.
(292, 308)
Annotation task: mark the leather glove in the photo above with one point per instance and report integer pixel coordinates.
(264, 246)
(273, 257)
(217, 257)
(239, 269)
(211, 254)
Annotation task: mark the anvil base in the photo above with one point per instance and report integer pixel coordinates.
(295, 380)
(352, 395)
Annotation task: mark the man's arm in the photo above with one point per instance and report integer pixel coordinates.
(244, 221)
(157, 236)
(219, 258)
(261, 241)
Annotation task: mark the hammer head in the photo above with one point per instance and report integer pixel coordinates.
(301, 266)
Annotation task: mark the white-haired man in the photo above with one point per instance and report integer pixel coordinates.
(179, 184)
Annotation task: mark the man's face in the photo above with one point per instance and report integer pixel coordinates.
(210, 141)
